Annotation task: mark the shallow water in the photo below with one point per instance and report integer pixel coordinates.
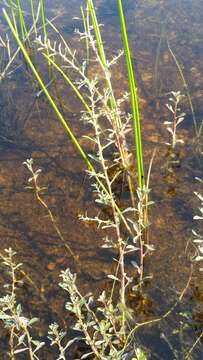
(28, 129)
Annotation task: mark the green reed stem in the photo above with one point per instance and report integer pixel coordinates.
(96, 31)
(116, 120)
(33, 17)
(102, 56)
(13, 14)
(43, 20)
(21, 21)
(85, 21)
(134, 100)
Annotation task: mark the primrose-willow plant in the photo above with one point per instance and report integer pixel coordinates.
(100, 325)
(111, 158)
(105, 330)
(19, 326)
(177, 118)
(33, 184)
(100, 328)
(97, 96)
(198, 240)
(7, 58)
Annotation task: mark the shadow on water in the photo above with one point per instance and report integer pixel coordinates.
(28, 129)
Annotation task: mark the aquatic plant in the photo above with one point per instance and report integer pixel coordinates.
(197, 127)
(198, 238)
(177, 118)
(7, 58)
(100, 328)
(96, 322)
(18, 16)
(21, 21)
(11, 313)
(100, 102)
(33, 184)
(106, 328)
(134, 100)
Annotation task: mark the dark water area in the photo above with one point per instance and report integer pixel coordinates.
(29, 129)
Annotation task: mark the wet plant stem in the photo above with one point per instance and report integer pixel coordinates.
(174, 125)
(83, 324)
(13, 15)
(85, 25)
(43, 20)
(11, 344)
(29, 342)
(37, 191)
(88, 109)
(134, 100)
(165, 315)
(52, 218)
(33, 18)
(116, 120)
(112, 114)
(141, 274)
(185, 85)
(115, 214)
(21, 21)
(193, 346)
(122, 149)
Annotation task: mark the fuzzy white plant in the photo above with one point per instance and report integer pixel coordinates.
(10, 55)
(11, 313)
(198, 241)
(177, 118)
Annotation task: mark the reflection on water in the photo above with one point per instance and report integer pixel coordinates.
(28, 129)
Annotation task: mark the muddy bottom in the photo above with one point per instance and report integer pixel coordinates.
(28, 129)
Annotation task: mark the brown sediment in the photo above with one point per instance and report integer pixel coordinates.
(24, 225)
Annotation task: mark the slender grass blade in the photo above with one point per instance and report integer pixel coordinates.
(134, 99)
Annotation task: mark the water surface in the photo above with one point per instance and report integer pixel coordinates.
(28, 128)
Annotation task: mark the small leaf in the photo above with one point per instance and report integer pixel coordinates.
(170, 130)
(132, 247)
(99, 342)
(39, 346)
(140, 355)
(199, 258)
(199, 195)
(32, 321)
(20, 350)
(86, 355)
(113, 277)
(135, 265)
(169, 106)
(70, 342)
(180, 120)
(21, 338)
(149, 247)
(5, 317)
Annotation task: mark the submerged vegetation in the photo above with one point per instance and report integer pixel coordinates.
(198, 241)
(114, 160)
